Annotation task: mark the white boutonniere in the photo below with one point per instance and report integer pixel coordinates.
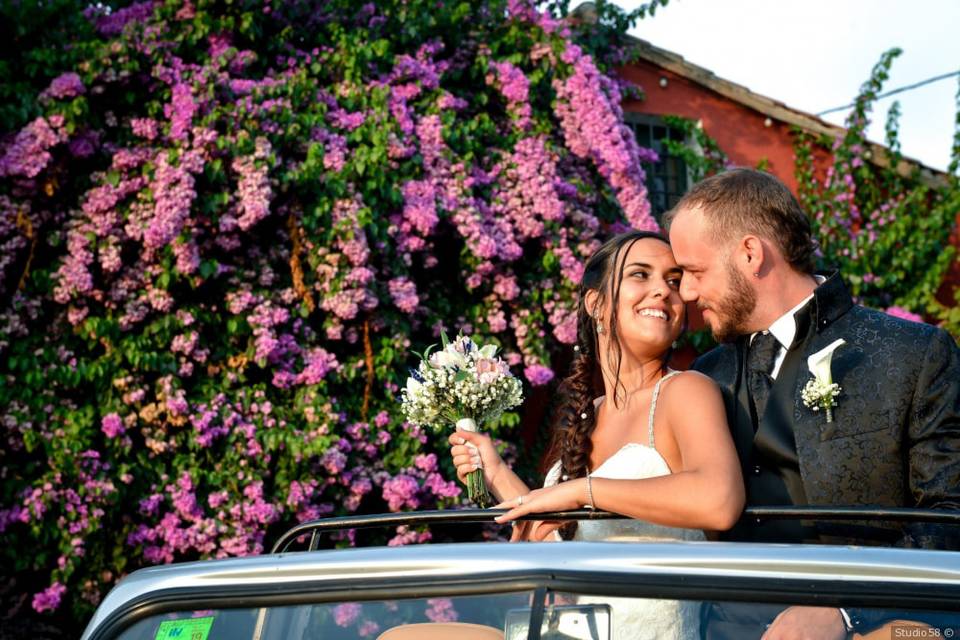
(821, 391)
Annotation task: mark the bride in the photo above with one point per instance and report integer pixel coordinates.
(631, 436)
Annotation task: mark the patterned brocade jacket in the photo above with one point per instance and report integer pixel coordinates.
(895, 437)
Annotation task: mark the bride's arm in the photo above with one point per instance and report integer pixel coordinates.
(706, 492)
(501, 481)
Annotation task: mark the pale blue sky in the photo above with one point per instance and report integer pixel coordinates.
(814, 55)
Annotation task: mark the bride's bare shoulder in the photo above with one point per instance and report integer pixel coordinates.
(686, 386)
(690, 379)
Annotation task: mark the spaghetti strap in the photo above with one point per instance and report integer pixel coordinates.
(653, 406)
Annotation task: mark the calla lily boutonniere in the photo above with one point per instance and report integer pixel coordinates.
(821, 391)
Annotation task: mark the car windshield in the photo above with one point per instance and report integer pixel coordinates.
(506, 616)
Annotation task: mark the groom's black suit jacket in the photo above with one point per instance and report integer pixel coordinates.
(895, 437)
(894, 440)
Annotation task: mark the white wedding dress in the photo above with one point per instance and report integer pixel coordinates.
(633, 618)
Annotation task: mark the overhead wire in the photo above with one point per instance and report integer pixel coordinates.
(908, 87)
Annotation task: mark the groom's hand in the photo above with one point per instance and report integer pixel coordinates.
(807, 623)
(535, 531)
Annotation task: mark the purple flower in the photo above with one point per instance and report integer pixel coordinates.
(49, 598)
(401, 490)
(180, 111)
(173, 194)
(66, 85)
(112, 24)
(404, 294)
(318, 363)
(112, 425)
(29, 155)
(538, 375)
(253, 190)
(146, 128)
(515, 87)
(588, 106)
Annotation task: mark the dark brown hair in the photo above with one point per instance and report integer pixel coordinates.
(570, 442)
(742, 201)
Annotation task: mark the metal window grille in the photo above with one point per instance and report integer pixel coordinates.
(668, 178)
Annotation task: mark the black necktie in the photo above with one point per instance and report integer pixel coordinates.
(760, 358)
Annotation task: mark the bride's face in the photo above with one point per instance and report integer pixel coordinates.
(650, 311)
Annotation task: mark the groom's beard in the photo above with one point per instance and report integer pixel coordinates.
(730, 312)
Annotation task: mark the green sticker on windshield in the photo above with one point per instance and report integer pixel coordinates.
(190, 629)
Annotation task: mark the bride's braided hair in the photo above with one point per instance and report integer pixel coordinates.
(575, 417)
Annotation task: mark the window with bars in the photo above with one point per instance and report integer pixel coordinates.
(667, 179)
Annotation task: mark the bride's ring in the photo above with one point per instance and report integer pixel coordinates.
(519, 500)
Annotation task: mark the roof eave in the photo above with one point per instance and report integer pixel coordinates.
(676, 64)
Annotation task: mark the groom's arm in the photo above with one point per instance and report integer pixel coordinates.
(934, 442)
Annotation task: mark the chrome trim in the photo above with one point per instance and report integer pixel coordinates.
(479, 561)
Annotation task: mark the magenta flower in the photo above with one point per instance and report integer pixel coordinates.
(112, 425)
(346, 614)
(253, 191)
(441, 610)
(400, 491)
(66, 85)
(49, 598)
(404, 294)
(538, 375)
(904, 314)
(29, 154)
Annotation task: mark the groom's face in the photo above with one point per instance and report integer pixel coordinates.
(723, 295)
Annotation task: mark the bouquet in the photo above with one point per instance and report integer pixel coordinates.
(463, 384)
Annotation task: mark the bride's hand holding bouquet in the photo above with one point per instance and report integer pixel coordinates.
(467, 385)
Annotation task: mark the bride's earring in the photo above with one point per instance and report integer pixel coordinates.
(596, 321)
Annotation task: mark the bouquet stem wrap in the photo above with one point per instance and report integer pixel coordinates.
(476, 485)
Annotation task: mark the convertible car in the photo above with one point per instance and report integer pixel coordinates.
(530, 591)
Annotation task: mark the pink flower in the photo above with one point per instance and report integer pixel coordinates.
(318, 363)
(29, 155)
(112, 425)
(401, 490)
(49, 598)
(588, 106)
(505, 287)
(538, 375)
(346, 614)
(404, 294)
(254, 191)
(368, 628)
(904, 314)
(66, 85)
(146, 128)
(181, 111)
(441, 610)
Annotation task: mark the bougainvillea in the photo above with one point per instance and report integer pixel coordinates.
(887, 229)
(224, 232)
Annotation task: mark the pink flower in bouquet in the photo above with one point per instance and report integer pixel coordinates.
(489, 370)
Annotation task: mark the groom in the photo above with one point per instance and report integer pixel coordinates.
(747, 253)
